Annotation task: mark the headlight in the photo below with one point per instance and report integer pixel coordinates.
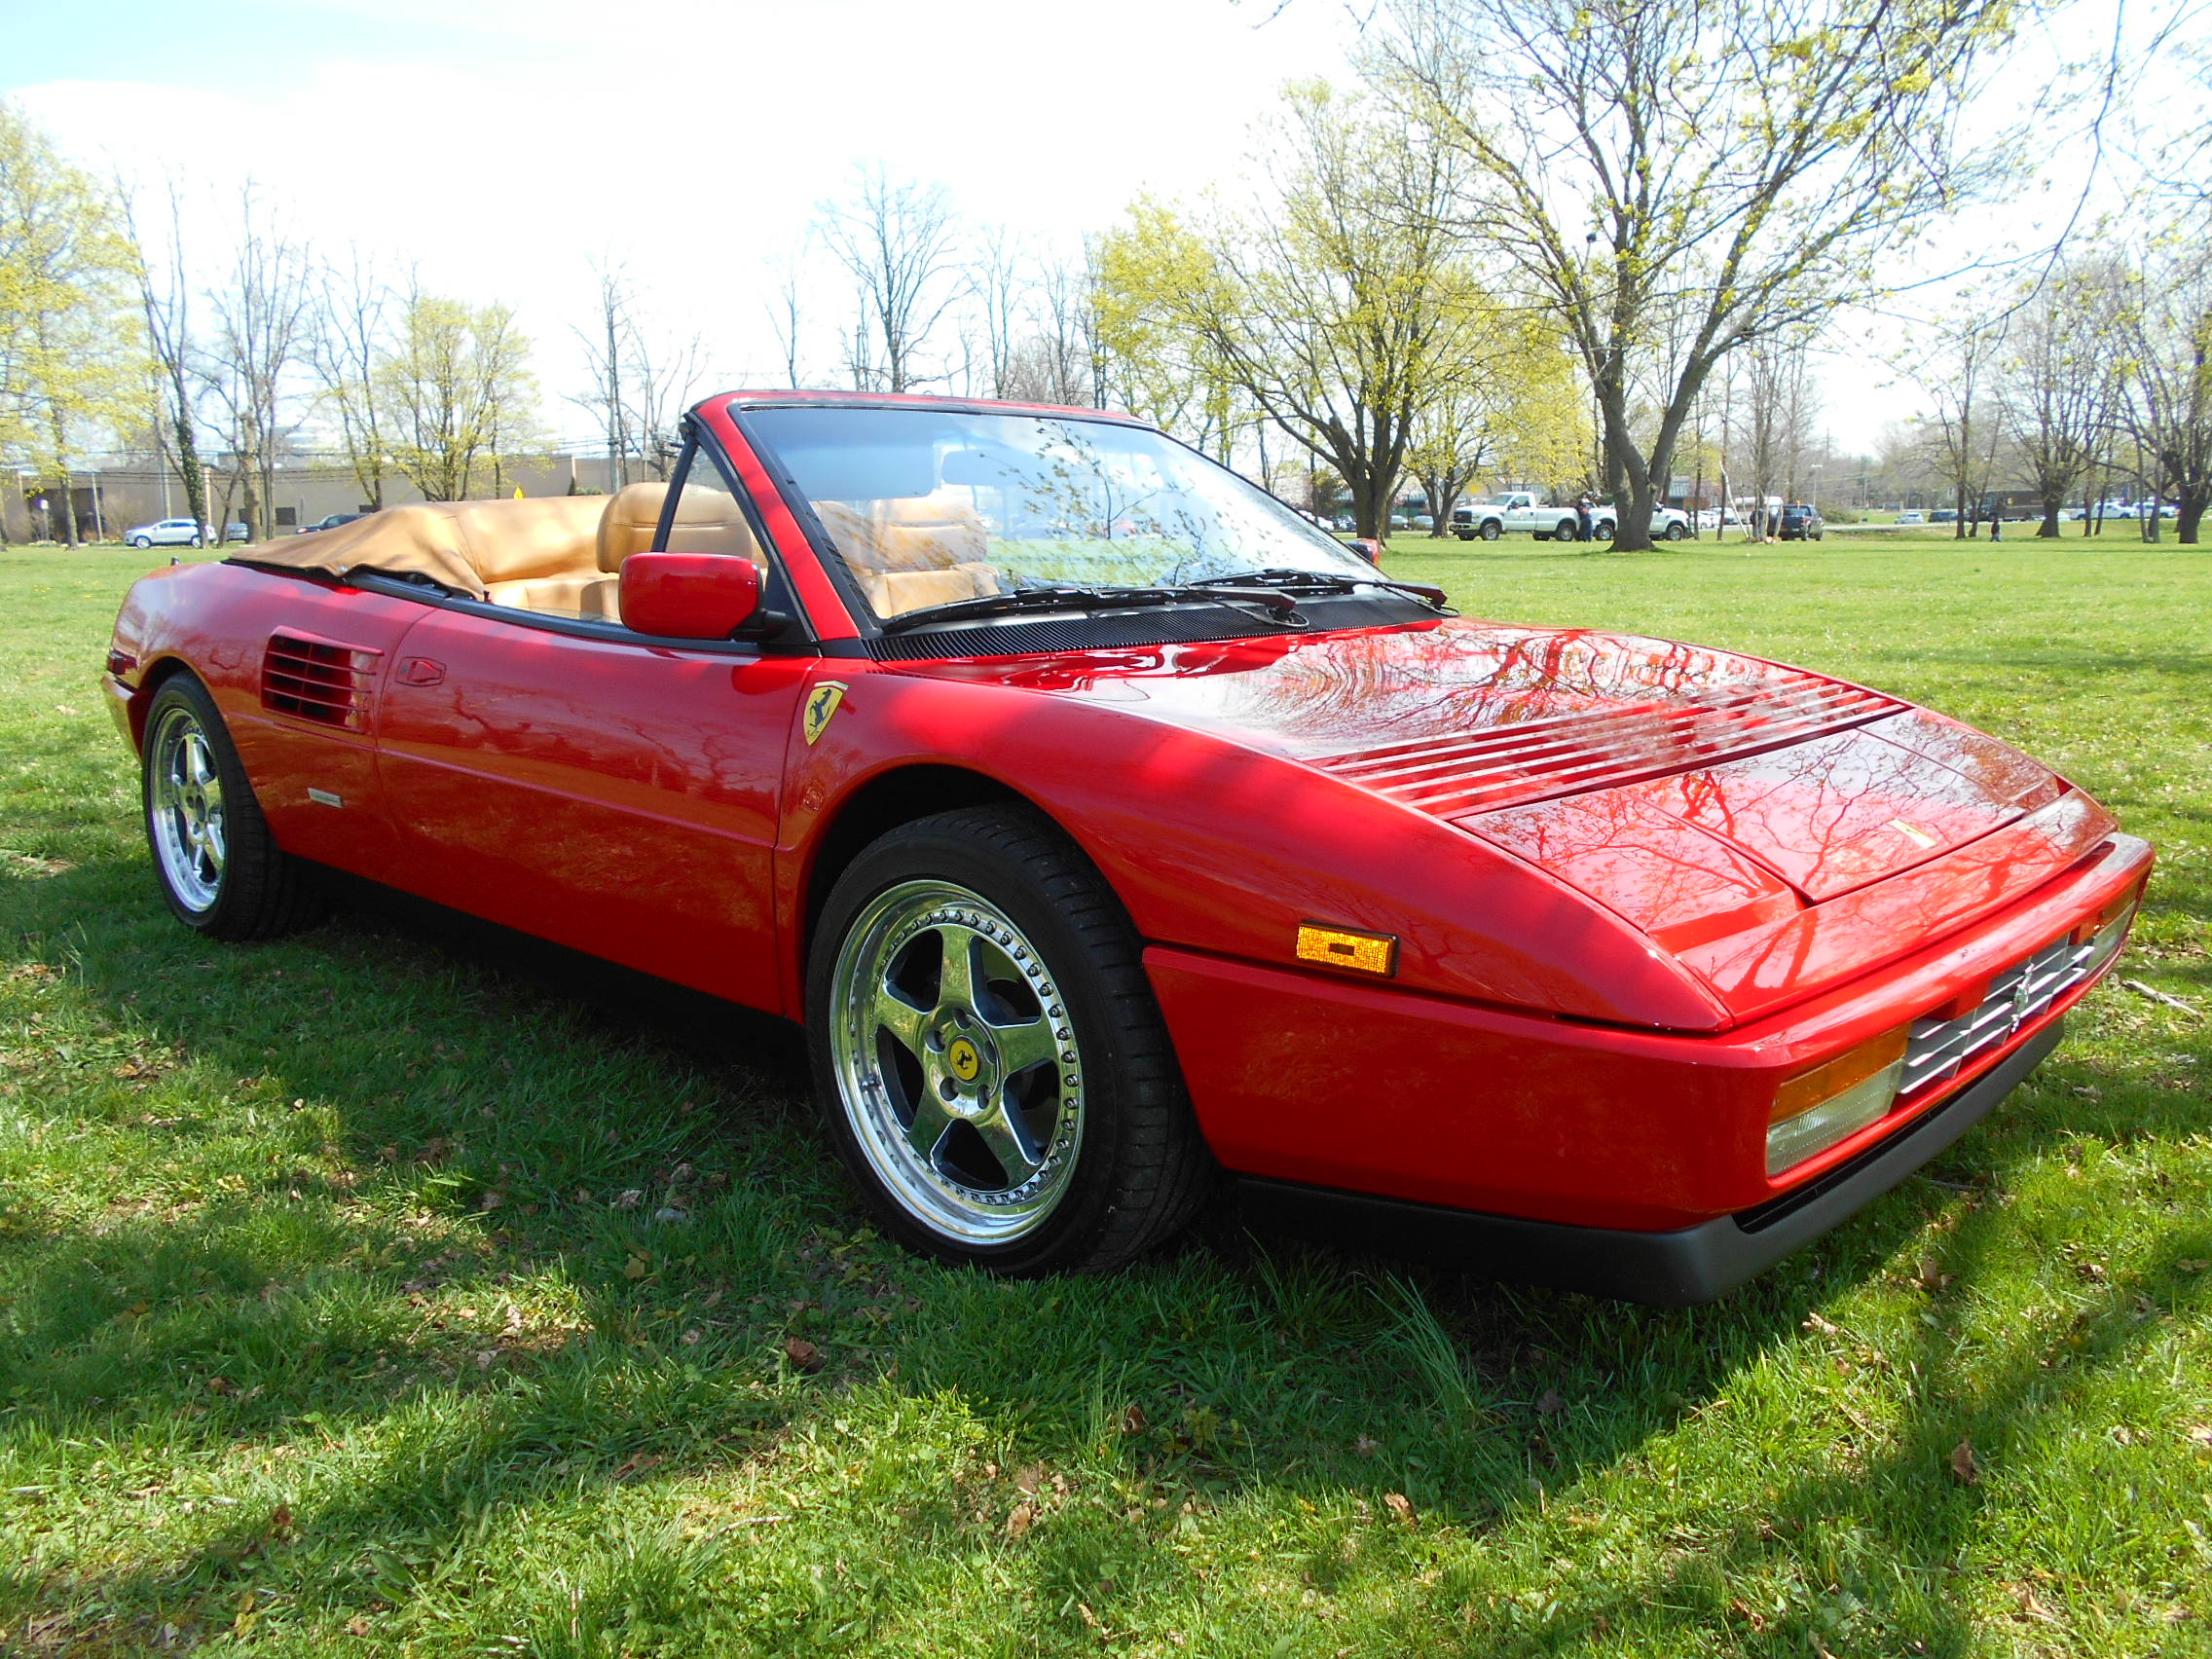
(1816, 1109)
(2103, 936)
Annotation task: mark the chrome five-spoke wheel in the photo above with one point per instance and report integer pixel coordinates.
(987, 1055)
(184, 808)
(219, 866)
(955, 1053)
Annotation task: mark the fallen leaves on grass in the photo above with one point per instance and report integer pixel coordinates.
(1549, 1403)
(1400, 1505)
(1965, 1468)
(802, 1355)
(1021, 1519)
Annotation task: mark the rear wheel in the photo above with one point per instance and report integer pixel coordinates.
(1678, 531)
(219, 867)
(1567, 530)
(987, 1055)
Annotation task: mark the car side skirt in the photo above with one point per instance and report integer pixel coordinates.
(1665, 1269)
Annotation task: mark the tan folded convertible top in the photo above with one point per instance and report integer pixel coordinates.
(465, 546)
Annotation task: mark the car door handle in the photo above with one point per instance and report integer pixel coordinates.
(421, 671)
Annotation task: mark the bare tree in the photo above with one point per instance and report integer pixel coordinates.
(2167, 402)
(997, 284)
(2059, 376)
(606, 347)
(1968, 427)
(349, 335)
(898, 242)
(164, 296)
(1746, 165)
(261, 313)
(784, 317)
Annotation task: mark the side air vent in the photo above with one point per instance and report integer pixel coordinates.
(1563, 755)
(317, 679)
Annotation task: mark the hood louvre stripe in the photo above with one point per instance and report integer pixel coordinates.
(1511, 765)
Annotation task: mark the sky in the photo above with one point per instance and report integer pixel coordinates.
(505, 148)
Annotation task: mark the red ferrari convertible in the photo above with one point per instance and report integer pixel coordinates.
(1111, 828)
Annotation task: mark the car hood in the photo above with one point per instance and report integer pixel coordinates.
(1695, 792)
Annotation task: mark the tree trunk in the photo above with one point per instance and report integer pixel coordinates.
(2050, 527)
(1433, 493)
(194, 474)
(2192, 515)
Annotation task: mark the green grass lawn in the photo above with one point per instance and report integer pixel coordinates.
(406, 1286)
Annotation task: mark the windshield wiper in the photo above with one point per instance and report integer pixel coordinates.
(1328, 581)
(1070, 597)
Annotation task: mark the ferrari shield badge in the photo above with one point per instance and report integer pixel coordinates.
(821, 702)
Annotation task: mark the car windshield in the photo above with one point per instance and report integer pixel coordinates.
(933, 507)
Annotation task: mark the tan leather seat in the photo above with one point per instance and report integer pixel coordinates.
(707, 521)
(910, 552)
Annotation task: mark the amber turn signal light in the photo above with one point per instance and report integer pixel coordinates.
(1347, 948)
(1833, 1101)
(1807, 1090)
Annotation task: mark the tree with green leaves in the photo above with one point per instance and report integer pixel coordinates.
(457, 391)
(1337, 304)
(1677, 178)
(73, 363)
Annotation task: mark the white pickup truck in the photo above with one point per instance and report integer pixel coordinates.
(1521, 510)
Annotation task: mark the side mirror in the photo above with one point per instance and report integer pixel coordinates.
(688, 596)
(1369, 549)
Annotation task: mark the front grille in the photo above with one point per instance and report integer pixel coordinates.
(1560, 754)
(1939, 1048)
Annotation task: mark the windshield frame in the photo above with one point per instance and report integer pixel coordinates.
(738, 411)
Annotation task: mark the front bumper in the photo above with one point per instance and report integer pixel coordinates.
(1665, 1269)
(1322, 1082)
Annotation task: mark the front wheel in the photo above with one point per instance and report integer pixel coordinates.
(141, 541)
(987, 1055)
(219, 867)
(1491, 530)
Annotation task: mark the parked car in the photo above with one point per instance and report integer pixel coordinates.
(1114, 833)
(1912, 518)
(1525, 510)
(331, 521)
(1943, 515)
(1800, 521)
(238, 529)
(169, 532)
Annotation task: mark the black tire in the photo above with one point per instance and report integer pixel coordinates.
(1491, 530)
(1567, 530)
(141, 541)
(1136, 1166)
(247, 887)
(198, 542)
(1677, 532)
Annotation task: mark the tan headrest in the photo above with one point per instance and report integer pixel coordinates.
(707, 521)
(922, 532)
